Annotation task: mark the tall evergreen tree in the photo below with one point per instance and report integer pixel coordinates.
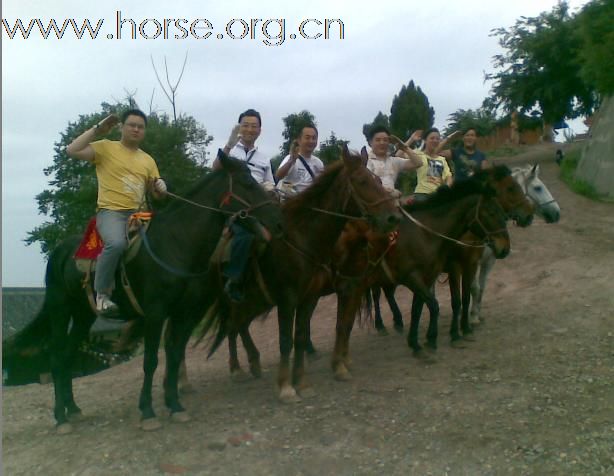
(410, 111)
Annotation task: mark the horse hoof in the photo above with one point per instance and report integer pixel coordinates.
(469, 337)
(289, 395)
(180, 417)
(399, 329)
(475, 322)
(151, 424)
(313, 356)
(186, 389)
(457, 344)
(256, 371)
(307, 392)
(63, 429)
(382, 332)
(238, 375)
(342, 374)
(423, 357)
(76, 416)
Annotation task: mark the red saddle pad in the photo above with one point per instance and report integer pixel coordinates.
(91, 244)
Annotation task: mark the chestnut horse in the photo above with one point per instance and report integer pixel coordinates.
(297, 269)
(463, 261)
(420, 253)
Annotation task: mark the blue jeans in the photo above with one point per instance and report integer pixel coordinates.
(240, 248)
(111, 225)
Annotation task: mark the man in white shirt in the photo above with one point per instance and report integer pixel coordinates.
(242, 145)
(386, 167)
(301, 167)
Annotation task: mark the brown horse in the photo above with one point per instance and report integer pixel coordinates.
(297, 270)
(420, 253)
(463, 261)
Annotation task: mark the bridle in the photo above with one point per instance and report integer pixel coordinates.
(476, 219)
(225, 201)
(525, 188)
(363, 205)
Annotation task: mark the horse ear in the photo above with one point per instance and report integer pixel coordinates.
(364, 155)
(535, 170)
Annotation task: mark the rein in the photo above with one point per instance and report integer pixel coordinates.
(241, 214)
(476, 219)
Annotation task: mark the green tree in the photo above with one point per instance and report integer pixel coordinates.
(410, 111)
(540, 68)
(179, 148)
(330, 149)
(482, 120)
(595, 27)
(380, 119)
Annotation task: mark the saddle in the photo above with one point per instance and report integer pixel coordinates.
(91, 245)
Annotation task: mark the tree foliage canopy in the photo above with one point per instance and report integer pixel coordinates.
(410, 111)
(179, 148)
(556, 62)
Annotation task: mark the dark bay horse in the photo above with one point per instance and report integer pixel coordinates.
(167, 278)
(297, 269)
(421, 250)
(463, 261)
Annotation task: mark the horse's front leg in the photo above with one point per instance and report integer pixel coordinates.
(432, 331)
(417, 304)
(285, 320)
(233, 355)
(348, 303)
(175, 355)
(253, 355)
(397, 316)
(376, 293)
(455, 298)
(153, 333)
(301, 339)
(469, 272)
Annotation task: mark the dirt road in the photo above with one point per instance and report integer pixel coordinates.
(534, 394)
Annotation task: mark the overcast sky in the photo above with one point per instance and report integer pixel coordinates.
(443, 46)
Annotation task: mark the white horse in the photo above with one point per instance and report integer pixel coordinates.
(545, 206)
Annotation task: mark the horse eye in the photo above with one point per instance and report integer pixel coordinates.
(538, 188)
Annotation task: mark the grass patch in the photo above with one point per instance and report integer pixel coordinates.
(568, 171)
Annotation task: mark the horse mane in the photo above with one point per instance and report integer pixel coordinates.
(320, 186)
(500, 172)
(459, 190)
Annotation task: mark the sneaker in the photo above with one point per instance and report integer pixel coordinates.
(106, 307)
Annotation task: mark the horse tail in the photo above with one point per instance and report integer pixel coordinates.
(30, 341)
(213, 327)
(365, 310)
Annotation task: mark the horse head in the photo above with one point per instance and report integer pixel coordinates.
(247, 201)
(545, 205)
(366, 197)
(489, 222)
(510, 195)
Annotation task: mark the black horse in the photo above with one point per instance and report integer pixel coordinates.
(169, 278)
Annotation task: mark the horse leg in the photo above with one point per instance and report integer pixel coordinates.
(78, 334)
(233, 356)
(376, 292)
(153, 334)
(469, 272)
(285, 320)
(416, 312)
(175, 345)
(253, 355)
(397, 317)
(301, 332)
(479, 285)
(312, 353)
(347, 306)
(431, 333)
(455, 298)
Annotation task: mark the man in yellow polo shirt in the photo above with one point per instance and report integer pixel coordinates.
(124, 172)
